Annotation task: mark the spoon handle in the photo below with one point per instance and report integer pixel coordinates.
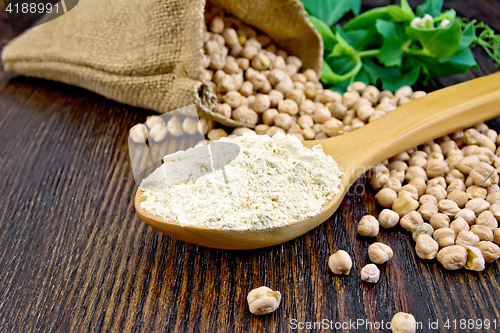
(437, 114)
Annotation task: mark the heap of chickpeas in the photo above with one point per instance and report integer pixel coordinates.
(263, 86)
(446, 194)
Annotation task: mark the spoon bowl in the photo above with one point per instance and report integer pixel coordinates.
(434, 115)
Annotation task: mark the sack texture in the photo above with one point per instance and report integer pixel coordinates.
(148, 53)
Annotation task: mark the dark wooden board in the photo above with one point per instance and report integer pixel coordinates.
(75, 257)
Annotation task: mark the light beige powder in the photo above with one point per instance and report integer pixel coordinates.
(272, 182)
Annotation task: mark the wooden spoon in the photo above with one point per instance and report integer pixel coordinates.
(432, 116)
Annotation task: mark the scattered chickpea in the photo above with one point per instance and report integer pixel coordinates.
(404, 204)
(438, 221)
(379, 253)
(466, 238)
(340, 262)
(445, 237)
(411, 219)
(475, 259)
(368, 226)
(420, 229)
(388, 218)
(263, 300)
(403, 323)
(452, 257)
(138, 133)
(489, 250)
(426, 247)
(370, 273)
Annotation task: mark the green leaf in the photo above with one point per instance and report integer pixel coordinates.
(391, 53)
(359, 39)
(391, 78)
(431, 7)
(330, 11)
(407, 79)
(328, 76)
(367, 20)
(468, 35)
(405, 6)
(439, 42)
(326, 33)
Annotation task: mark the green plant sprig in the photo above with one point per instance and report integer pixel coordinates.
(392, 46)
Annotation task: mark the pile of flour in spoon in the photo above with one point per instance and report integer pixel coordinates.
(272, 182)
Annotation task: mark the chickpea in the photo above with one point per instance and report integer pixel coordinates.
(350, 98)
(448, 207)
(489, 250)
(368, 226)
(321, 115)
(288, 106)
(310, 90)
(487, 219)
(456, 185)
(408, 189)
(484, 174)
(318, 128)
(417, 161)
(139, 133)
(217, 25)
(459, 224)
(414, 172)
(388, 218)
(261, 104)
(260, 62)
(419, 184)
(283, 120)
(428, 199)
(466, 164)
(493, 198)
(333, 127)
(273, 130)
(475, 259)
(428, 210)
(268, 116)
(263, 300)
(459, 197)
(435, 167)
(452, 257)
(437, 181)
(477, 205)
(340, 262)
(246, 115)
(472, 137)
(411, 219)
(466, 238)
(484, 233)
(439, 221)
(386, 197)
(404, 204)
(285, 85)
(426, 247)
(370, 273)
(216, 134)
(437, 191)
(444, 236)
(421, 229)
(403, 322)
(379, 253)
(453, 175)
(404, 91)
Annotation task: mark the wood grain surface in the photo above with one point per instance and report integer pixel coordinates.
(74, 256)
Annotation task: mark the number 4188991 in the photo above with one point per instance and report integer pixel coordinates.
(471, 324)
(32, 8)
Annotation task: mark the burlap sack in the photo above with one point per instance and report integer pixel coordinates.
(148, 53)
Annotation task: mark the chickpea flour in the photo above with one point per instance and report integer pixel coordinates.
(272, 182)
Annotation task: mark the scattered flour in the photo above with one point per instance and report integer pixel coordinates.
(272, 182)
